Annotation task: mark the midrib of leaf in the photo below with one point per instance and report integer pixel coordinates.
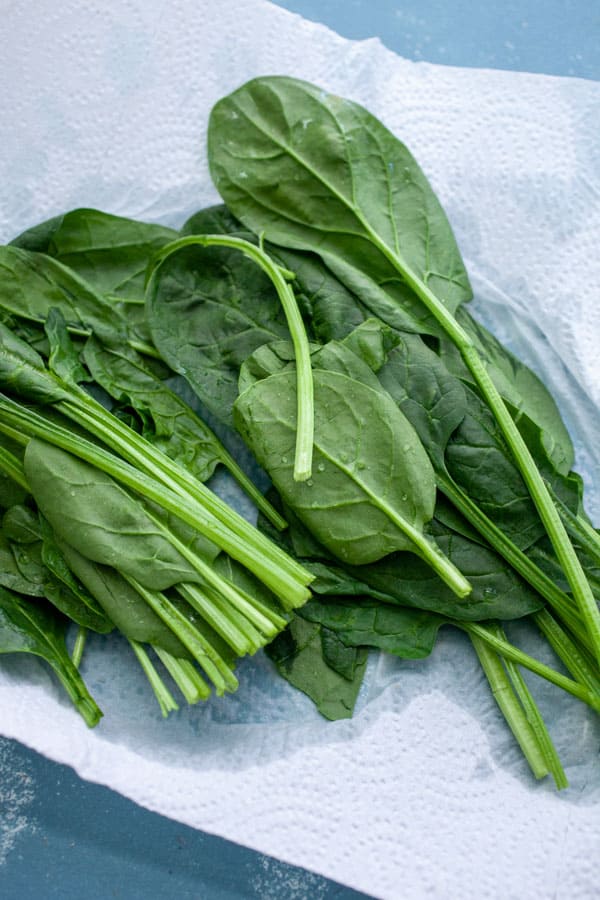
(430, 552)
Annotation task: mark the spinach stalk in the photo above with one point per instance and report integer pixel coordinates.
(280, 278)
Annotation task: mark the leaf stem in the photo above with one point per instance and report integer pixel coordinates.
(509, 651)
(78, 647)
(531, 475)
(304, 382)
(528, 570)
(185, 676)
(203, 652)
(165, 698)
(512, 710)
(575, 661)
(282, 580)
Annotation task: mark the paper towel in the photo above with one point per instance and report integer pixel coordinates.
(423, 793)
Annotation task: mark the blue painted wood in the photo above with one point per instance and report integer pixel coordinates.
(65, 839)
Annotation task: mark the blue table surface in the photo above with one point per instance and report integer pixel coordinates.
(64, 838)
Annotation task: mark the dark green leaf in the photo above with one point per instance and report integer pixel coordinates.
(30, 626)
(208, 310)
(408, 633)
(316, 172)
(95, 515)
(298, 654)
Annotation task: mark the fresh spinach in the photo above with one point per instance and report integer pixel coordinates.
(31, 626)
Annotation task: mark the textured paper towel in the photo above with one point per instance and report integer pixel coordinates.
(423, 793)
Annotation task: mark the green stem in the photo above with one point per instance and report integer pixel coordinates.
(575, 661)
(205, 655)
(535, 719)
(221, 586)
(512, 710)
(250, 489)
(509, 651)
(304, 380)
(13, 467)
(141, 454)
(226, 622)
(185, 676)
(532, 477)
(75, 687)
(78, 647)
(165, 698)
(578, 527)
(528, 570)
(282, 583)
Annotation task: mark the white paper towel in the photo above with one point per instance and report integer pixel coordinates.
(423, 793)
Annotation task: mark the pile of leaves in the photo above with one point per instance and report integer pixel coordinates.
(421, 474)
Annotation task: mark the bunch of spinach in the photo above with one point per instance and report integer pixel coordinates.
(421, 473)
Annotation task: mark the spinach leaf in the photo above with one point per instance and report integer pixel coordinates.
(168, 422)
(373, 484)
(298, 654)
(31, 284)
(208, 309)
(523, 391)
(336, 178)
(122, 604)
(95, 515)
(110, 252)
(30, 626)
(408, 633)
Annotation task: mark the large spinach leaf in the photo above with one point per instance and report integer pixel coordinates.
(339, 184)
(373, 487)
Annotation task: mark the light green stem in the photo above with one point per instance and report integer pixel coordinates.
(535, 719)
(185, 676)
(201, 649)
(78, 647)
(511, 708)
(16, 421)
(165, 698)
(575, 661)
(304, 379)
(146, 458)
(509, 651)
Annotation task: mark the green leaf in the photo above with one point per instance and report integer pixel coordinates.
(298, 654)
(352, 504)
(110, 252)
(63, 357)
(100, 519)
(408, 633)
(209, 309)
(122, 604)
(169, 422)
(29, 626)
(31, 284)
(316, 172)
